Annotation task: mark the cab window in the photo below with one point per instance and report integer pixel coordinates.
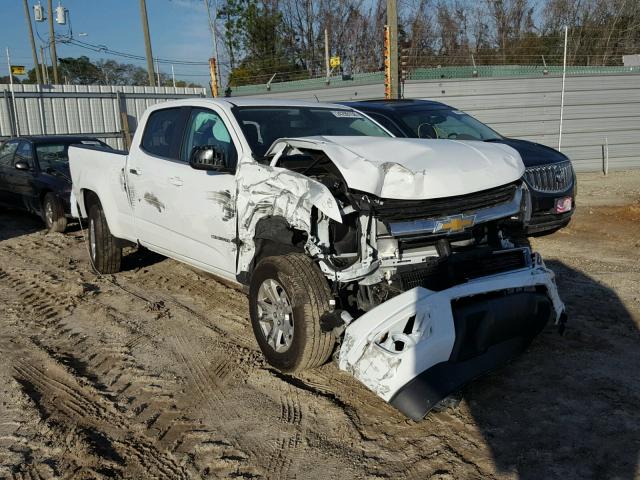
(7, 151)
(24, 153)
(205, 127)
(163, 132)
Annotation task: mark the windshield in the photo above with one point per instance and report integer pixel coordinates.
(263, 125)
(446, 123)
(56, 155)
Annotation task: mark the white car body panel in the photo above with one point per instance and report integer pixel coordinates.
(385, 371)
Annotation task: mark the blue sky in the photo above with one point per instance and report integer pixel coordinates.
(179, 30)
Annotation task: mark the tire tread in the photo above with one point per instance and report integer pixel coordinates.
(108, 253)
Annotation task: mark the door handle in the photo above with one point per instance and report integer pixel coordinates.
(135, 171)
(176, 181)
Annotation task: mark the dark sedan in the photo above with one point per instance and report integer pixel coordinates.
(549, 174)
(34, 176)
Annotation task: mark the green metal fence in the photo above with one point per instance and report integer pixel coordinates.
(435, 73)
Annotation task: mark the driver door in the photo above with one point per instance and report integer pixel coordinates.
(208, 198)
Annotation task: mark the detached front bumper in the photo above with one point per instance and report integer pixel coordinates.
(420, 346)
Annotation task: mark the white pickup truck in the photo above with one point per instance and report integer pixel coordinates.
(392, 254)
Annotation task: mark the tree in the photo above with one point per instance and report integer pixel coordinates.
(79, 71)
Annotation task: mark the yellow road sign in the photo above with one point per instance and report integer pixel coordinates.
(334, 62)
(18, 70)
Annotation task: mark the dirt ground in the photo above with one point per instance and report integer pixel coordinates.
(154, 373)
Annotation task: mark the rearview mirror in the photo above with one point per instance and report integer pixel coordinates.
(22, 166)
(209, 157)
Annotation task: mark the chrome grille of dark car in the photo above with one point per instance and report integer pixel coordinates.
(406, 210)
(556, 177)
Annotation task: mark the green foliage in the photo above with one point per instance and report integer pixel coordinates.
(79, 71)
(257, 27)
(82, 71)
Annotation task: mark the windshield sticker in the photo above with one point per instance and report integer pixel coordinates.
(457, 112)
(346, 114)
(89, 142)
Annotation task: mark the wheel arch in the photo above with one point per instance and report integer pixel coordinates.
(274, 235)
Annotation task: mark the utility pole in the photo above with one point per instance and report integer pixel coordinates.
(52, 45)
(214, 37)
(392, 23)
(33, 43)
(214, 80)
(13, 95)
(147, 40)
(43, 65)
(173, 75)
(326, 54)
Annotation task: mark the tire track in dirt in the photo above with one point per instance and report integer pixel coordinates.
(105, 369)
(66, 403)
(174, 421)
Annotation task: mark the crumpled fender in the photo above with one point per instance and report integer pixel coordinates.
(381, 352)
(265, 191)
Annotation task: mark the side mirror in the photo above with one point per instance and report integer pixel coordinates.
(22, 166)
(209, 157)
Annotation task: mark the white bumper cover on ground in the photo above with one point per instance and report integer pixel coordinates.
(395, 342)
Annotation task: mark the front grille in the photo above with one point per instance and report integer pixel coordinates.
(556, 177)
(460, 268)
(497, 262)
(389, 210)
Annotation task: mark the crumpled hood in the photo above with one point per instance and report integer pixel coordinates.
(406, 168)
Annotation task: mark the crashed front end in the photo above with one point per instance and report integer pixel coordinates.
(429, 293)
(447, 295)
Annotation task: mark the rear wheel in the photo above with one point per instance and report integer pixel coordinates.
(106, 255)
(53, 213)
(287, 297)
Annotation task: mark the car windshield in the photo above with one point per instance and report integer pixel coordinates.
(263, 125)
(446, 123)
(55, 155)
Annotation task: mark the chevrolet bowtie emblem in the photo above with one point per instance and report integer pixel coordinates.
(454, 223)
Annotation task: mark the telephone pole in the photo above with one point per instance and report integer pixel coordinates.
(52, 45)
(326, 55)
(214, 37)
(147, 41)
(392, 23)
(33, 43)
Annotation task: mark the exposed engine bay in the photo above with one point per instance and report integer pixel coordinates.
(384, 247)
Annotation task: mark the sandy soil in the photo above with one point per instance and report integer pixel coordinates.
(154, 373)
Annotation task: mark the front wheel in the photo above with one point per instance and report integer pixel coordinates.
(106, 254)
(287, 297)
(53, 213)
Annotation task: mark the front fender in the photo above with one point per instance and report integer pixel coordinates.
(268, 191)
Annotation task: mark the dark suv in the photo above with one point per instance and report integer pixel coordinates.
(549, 174)
(34, 176)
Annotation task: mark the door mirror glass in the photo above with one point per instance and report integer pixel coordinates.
(22, 166)
(209, 157)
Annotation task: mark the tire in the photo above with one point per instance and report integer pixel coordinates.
(308, 295)
(53, 213)
(106, 255)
